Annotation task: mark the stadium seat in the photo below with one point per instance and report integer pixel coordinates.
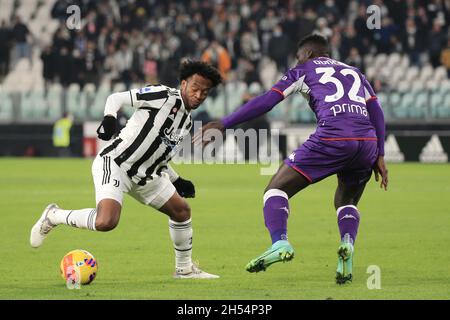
(6, 107)
(419, 107)
(368, 59)
(26, 9)
(120, 87)
(396, 76)
(217, 110)
(26, 109)
(393, 60)
(444, 111)
(380, 60)
(7, 7)
(432, 85)
(235, 91)
(95, 101)
(404, 86)
(76, 102)
(444, 87)
(426, 73)
(398, 109)
(281, 111)
(417, 86)
(405, 62)
(407, 103)
(371, 72)
(298, 110)
(436, 102)
(383, 99)
(54, 98)
(440, 74)
(412, 74)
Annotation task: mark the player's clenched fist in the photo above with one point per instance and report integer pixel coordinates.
(107, 128)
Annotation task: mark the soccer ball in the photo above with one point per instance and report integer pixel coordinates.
(82, 261)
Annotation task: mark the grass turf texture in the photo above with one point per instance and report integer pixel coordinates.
(404, 231)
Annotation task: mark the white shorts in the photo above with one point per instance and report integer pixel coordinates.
(111, 182)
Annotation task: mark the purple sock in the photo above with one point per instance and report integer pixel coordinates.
(276, 212)
(348, 222)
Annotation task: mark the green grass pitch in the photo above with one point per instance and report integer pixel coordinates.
(405, 232)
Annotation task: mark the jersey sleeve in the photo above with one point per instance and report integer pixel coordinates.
(375, 114)
(152, 97)
(369, 93)
(173, 175)
(293, 81)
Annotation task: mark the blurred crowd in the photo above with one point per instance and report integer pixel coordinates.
(145, 40)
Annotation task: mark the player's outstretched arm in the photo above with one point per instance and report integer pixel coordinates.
(251, 110)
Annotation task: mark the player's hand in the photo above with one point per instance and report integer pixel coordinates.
(185, 188)
(380, 169)
(107, 128)
(205, 133)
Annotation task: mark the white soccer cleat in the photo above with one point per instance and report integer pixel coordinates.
(42, 227)
(193, 272)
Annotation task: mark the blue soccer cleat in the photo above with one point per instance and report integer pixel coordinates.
(280, 251)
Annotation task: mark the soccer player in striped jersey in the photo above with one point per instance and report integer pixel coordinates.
(137, 162)
(349, 142)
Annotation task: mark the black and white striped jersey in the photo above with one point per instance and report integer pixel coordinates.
(150, 137)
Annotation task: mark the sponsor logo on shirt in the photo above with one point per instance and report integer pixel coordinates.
(350, 108)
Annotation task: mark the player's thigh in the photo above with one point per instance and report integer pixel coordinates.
(353, 179)
(109, 180)
(155, 193)
(288, 180)
(315, 160)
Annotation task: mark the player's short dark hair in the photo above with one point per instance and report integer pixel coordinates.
(316, 41)
(191, 67)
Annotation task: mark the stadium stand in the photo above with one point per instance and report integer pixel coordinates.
(123, 44)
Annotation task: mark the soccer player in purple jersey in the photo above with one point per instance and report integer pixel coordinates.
(349, 142)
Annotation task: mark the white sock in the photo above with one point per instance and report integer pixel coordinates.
(83, 218)
(181, 235)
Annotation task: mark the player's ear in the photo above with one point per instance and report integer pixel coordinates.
(183, 84)
(309, 53)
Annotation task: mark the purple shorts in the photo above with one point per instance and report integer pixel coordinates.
(352, 160)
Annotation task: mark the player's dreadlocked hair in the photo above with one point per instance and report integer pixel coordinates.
(191, 67)
(316, 41)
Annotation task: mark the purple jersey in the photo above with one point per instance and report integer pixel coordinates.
(337, 94)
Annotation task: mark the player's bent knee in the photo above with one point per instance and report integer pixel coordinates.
(182, 213)
(107, 223)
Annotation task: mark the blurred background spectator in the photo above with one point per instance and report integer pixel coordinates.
(132, 41)
(127, 43)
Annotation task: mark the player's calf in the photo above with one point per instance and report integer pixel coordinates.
(108, 215)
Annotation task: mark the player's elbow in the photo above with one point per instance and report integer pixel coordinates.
(112, 99)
